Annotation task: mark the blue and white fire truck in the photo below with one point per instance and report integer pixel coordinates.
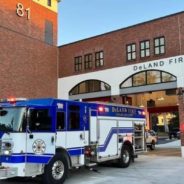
(50, 136)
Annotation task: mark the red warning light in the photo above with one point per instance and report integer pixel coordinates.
(143, 113)
(11, 100)
(100, 109)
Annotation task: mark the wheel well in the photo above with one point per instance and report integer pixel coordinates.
(62, 151)
(129, 144)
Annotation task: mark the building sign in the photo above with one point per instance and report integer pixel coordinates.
(158, 64)
(21, 11)
(121, 112)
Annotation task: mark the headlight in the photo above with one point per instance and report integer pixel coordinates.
(6, 152)
(6, 148)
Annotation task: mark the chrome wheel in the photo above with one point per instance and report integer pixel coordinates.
(126, 156)
(58, 170)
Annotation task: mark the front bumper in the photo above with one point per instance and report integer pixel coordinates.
(7, 172)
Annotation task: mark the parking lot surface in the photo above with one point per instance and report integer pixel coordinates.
(163, 165)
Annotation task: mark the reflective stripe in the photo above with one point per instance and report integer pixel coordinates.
(113, 131)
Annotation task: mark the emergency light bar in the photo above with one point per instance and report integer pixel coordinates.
(12, 100)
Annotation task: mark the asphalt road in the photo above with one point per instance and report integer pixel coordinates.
(163, 165)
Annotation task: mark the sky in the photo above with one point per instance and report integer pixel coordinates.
(80, 19)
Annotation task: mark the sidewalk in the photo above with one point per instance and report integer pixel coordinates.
(173, 144)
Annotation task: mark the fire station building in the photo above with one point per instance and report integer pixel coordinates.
(140, 65)
(28, 54)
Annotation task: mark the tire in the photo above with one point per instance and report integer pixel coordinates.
(56, 170)
(152, 146)
(125, 158)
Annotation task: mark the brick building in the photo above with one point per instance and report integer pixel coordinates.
(140, 65)
(28, 51)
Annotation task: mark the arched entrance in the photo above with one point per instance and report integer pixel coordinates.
(156, 91)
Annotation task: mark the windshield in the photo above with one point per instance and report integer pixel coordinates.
(11, 118)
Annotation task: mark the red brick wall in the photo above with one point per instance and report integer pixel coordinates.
(114, 44)
(35, 27)
(28, 66)
(181, 113)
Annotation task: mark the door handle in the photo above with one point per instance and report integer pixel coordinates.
(82, 136)
(52, 139)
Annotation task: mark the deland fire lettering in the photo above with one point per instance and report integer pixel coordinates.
(119, 109)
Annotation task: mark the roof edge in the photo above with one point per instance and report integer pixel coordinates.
(117, 30)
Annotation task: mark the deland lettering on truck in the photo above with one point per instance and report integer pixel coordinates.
(49, 137)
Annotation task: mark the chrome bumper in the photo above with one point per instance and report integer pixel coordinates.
(7, 172)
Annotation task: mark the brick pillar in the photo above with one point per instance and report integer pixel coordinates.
(181, 118)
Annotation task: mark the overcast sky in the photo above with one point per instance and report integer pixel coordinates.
(80, 19)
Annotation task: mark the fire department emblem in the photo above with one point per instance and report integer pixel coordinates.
(39, 146)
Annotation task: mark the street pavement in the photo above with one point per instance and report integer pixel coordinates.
(163, 165)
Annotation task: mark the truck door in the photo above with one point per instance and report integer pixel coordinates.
(40, 136)
(93, 127)
(77, 134)
(107, 130)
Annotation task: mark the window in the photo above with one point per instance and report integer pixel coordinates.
(40, 120)
(78, 63)
(153, 77)
(48, 32)
(99, 59)
(60, 121)
(89, 86)
(147, 78)
(139, 79)
(49, 3)
(88, 61)
(144, 49)
(131, 51)
(166, 77)
(74, 117)
(159, 44)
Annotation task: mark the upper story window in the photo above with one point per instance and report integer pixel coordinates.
(78, 63)
(131, 51)
(48, 32)
(145, 48)
(88, 61)
(159, 45)
(99, 59)
(49, 3)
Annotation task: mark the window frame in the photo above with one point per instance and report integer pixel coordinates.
(89, 87)
(145, 49)
(88, 61)
(159, 46)
(131, 52)
(70, 120)
(36, 119)
(78, 63)
(64, 127)
(49, 3)
(99, 61)
(146, 78)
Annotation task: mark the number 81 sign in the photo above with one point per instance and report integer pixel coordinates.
(21, 11)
